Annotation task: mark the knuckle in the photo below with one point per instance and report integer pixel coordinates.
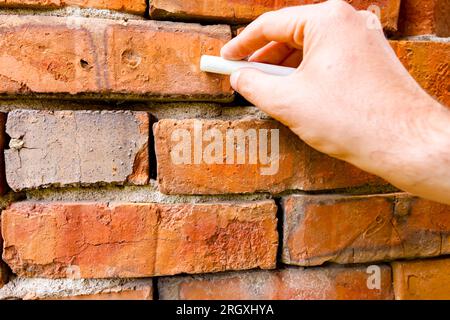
(338, 3)
(265, 16)
(261, 22)
(340, 8)
(268, 14)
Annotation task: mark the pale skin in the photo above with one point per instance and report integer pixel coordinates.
(350, 96)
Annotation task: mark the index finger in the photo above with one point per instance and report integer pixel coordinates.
(285, 25)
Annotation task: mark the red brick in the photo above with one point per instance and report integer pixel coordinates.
(3, 267)
(135, 59)
(332, 282)
(3, 185)
(429, 63)
(422, 279)
(100, 240)
(354, 229)
(420, 17)
(132, 6)
(238, 11)
(299, 166)
(64, 148)
(238, 30)
(3, 274)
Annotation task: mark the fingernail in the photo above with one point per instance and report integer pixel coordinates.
(234, 78)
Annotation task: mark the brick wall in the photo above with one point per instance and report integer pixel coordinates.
(99, 199)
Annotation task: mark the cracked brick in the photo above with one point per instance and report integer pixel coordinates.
(422, 279)
(65, 148)
(424, 17)
(357, 229)
(294, 165)
(85, 57)
(238, 11)
(100, 240)
(322, 283)
(429, 64)
(3, 268)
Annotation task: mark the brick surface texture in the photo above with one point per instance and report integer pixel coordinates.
(76, 147)
(286, 284)
(139, 293)
(132, 6)
(126, 294)
(422, 280)
(3, 274)
(421, 17)
(354, 229)
(53, 55)
(429, 63)
(78, 289)
(3, 267)
(238, 11)
(97, 240)
(297, 167)
(127, 173)
(3, 142)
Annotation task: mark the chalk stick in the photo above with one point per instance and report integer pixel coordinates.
(222, 66)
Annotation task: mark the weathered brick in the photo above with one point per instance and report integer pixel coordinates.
(132, 6)
(420, 17)
(332, 282)
(3, 274)
(422, 279)
(100, 240)
(297, 167)
(429, 63)
(3, 267)
(3, 185)
(238, 11)
(78, 289)
(53, 56)
(353, 229)
(76, 147)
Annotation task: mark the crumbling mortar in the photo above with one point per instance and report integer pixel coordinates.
(39, 288)
(73, 11)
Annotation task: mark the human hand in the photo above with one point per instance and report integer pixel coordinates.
(350, 96)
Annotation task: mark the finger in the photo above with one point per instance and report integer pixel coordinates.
(258, 87)
(273, 53)
(284, 25)
(293, 60)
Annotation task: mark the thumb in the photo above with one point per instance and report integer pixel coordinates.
(258, 87)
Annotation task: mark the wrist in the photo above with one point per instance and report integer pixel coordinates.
(427, 160)
(415, 150)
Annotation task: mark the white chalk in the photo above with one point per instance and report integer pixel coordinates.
(223, 66)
